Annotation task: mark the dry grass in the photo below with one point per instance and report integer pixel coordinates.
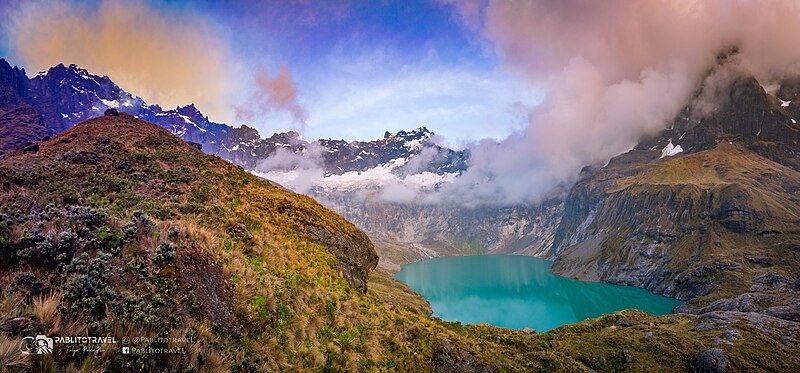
(46, 309)
(10, 356)
(295, 312)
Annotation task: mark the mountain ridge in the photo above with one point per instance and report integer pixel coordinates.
(118, 228)
(67, 94)
(711, 223)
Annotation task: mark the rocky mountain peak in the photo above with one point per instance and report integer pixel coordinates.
(736, 110)
(68, 94)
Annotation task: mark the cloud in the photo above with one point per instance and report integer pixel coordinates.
(612, 71)
(459, 102)
(166, 59)
(274, 94)
(296, 171)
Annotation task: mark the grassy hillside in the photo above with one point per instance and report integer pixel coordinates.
(118, 228)
(704, 224)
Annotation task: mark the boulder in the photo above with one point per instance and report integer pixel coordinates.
(625, 323)
(712, 360)
(195, 145)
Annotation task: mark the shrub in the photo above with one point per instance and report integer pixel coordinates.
(36, 249)
(174, 234)
(165, 253)
(143, 222)
(87, 216)
(28, 281)
(89, 291)
(5, 240)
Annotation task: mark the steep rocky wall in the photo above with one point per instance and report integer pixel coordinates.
(438, 230)
(683, 227)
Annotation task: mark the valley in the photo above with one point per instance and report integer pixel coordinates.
(432, 186)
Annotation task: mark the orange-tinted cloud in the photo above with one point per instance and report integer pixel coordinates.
(274, 94)
(166, 59)
(613, 71)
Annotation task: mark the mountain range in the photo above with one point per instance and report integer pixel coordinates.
(63, 96)
(118, 228)
(353, 171)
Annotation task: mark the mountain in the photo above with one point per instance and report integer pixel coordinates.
(405, 232)
(708, 210)
(66, 95)
(355, 171)
(118, 228)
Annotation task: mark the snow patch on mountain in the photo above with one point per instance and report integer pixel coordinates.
(671, 150)
(109, 103)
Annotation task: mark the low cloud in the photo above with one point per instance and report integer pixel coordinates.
(296, 171)
(169, 59)
(612, 71)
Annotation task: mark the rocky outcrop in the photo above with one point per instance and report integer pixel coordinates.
(712, 360)
(356, 254)
(450, 358)
(705, 222)
(770, 294)
(419, 231)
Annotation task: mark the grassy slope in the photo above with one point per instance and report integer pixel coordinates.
(716, 171)
(223, 258)
(675, 193)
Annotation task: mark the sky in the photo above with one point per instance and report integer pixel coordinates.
(535, 89)
(348, 69)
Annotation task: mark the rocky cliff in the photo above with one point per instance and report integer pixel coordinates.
(702, 209)
(407, 232)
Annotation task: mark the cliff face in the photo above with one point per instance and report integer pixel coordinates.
(701, 209)
(407, 232)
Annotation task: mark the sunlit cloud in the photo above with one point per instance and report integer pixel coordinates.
(165, 57)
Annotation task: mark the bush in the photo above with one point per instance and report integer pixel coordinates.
(87, 216)
(45, 251)
(89, 291)
(36, 249)
(5, 240)
(165, 253)
(28, 281)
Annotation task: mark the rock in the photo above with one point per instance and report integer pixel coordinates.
(388, 306)
(16, 325)
(528, 330)
(625, 323)
(718, 341)
(761, 261)
(450, 358)
(712, 360)
(31, 148)
(774, 281)
(356, 254)
(104, 140)
(111, 112)
(46, 138)
(648, 334)
(784, 312)
(732, 335)
(195, 145)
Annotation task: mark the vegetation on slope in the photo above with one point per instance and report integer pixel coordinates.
(117, 228)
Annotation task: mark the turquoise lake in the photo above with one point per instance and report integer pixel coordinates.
(519, 292)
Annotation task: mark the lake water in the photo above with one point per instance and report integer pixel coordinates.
(518, 292)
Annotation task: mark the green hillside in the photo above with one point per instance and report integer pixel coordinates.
(118, 228)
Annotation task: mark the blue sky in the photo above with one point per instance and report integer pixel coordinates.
(359, 67)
